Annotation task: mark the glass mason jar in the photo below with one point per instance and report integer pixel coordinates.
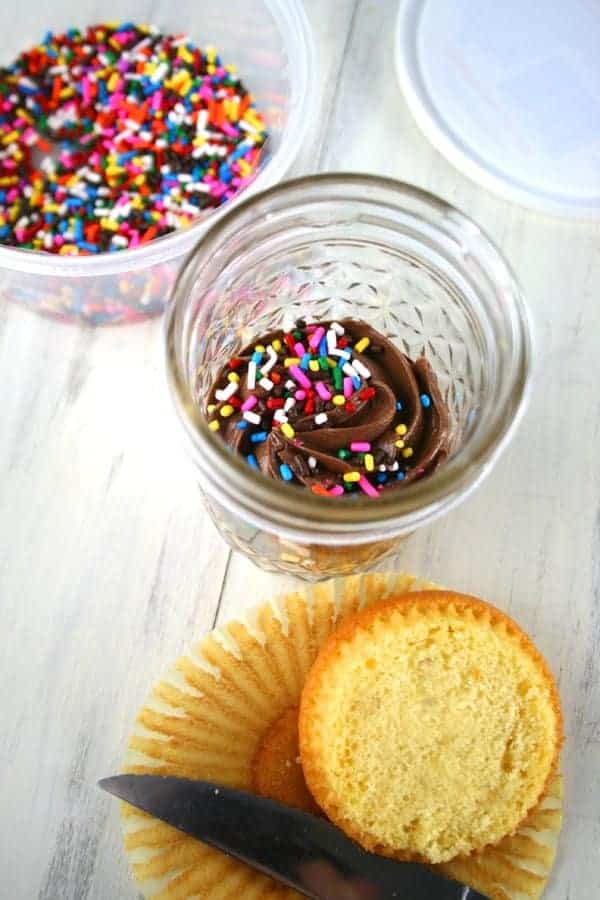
(329, 247)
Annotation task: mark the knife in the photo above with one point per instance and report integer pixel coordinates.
(304, 852)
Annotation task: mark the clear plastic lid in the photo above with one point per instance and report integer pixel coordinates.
(510, 93)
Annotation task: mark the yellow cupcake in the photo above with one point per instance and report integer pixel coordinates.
(227, 711)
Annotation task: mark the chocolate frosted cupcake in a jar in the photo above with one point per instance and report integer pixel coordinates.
(334, 407)
(348, 355)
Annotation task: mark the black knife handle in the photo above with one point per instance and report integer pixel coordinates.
(330, 866)
(323, 882)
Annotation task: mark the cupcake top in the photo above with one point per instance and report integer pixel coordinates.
(429, 726)
(332, 406)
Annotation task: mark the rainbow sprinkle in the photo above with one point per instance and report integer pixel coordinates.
(283, 391)
(118, 134)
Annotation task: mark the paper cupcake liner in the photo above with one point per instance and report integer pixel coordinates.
(208, 719)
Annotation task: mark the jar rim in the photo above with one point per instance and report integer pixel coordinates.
(299, 513)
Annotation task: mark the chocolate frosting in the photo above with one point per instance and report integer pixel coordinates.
(397, 392)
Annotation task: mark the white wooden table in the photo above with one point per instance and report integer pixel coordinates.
(109, 565)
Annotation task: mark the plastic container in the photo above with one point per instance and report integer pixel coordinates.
(271, 44)
(328, 247)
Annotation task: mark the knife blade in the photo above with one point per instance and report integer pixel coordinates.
(304, 852)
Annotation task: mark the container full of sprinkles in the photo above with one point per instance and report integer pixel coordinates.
(121, 141)
(348, 355)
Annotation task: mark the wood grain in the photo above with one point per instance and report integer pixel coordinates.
(108, 564)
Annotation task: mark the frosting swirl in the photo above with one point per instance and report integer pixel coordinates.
(333, 406)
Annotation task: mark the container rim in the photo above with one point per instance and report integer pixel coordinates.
(291, 18)
(300, 514)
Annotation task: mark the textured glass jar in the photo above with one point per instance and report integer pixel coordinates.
(327, 247)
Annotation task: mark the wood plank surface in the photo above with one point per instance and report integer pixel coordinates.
(109, 564)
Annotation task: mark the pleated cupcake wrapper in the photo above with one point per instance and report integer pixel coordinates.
(207, 717)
